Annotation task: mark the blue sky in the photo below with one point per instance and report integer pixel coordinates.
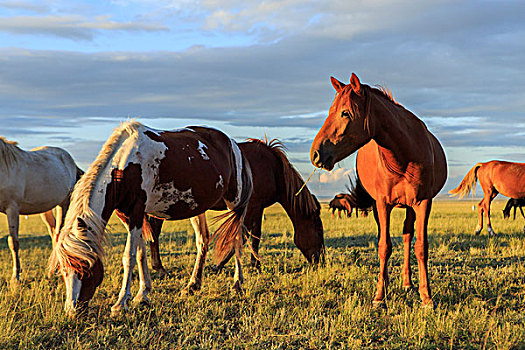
(72, 70)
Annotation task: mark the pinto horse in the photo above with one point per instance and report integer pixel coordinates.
(399, 164)
(33, 182)
(275, 180)
(495, 177)
(167, 174)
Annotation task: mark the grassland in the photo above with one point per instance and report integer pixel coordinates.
(477, 282)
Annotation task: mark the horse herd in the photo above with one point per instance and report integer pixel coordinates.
(147, 176)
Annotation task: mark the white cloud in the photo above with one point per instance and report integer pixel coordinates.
(335, 175)
(70, 26)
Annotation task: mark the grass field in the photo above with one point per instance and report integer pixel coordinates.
(478, 286)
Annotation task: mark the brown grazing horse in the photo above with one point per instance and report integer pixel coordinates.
(342, 202)
(399, 163)
(513, 203)
(168, 174)
(495, 177)
(275, 180)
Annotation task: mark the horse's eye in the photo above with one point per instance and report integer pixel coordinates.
(345, 113)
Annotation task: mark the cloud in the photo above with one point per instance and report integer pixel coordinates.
(72, 27)
(335, 175)
(25, 5)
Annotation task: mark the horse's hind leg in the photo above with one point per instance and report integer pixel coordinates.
(13, 222)
(492, 194)
(384, 252)
(421, 249)
(408, 235)
(49, 220)
(480, 218)
(156, 227)
(238, 277)
(202, 239)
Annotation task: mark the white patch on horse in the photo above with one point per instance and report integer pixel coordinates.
(238, 165)
(220, 182)
(168, 195)
(201, 149)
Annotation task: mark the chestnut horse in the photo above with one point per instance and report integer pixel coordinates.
(399, 163)
(275, 180)
(168, 174)
(495, 177)
(33, 182)
(341, 204)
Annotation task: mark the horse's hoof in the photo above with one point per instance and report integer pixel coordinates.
(237, 287)
(491, 232)
(14, 284)
(379, 305)
(162, 273)
(141, 302)
(409, 288)
(190, 289)
(117, 310)
(428, 305)
(477, 232)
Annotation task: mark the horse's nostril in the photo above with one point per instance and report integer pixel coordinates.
(316, 157)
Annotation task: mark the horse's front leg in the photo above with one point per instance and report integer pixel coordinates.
(128, 262)
(408, 235)
(202, 239)
(144, 275)
(421, 250)
(493, 195)
(13, 218)
(384, 252)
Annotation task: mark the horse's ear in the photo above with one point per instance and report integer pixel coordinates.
(338, 86)
(81, 224)
(355, 83)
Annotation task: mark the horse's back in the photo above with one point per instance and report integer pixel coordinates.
(42, 179)
(508, 178)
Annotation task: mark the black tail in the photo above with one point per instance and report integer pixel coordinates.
(358, 197)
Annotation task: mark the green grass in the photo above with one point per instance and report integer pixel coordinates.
(477, 283)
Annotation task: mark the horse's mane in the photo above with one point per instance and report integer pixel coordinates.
(304, 201)
(79, 249)
(9, 152)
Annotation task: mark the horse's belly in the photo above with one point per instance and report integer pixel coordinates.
(166, 201)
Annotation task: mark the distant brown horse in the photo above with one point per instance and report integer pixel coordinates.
(399, 163)
(275, 180)
(342, 202)
(494, 177)
(168, 174)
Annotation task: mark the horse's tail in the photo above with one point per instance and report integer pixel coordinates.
(468, 184)
(358, 197)
(230, 235)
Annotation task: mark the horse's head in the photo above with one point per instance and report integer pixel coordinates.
(309, 235)
(81, 275)
(346, 128)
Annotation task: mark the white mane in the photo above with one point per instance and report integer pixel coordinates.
(76, 247)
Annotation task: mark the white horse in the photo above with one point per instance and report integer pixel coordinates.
(33, 182)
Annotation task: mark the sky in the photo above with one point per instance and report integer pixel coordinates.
(71, 71)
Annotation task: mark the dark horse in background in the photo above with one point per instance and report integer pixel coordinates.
(495, 177)
(399, 164)
(275, 180)
(342, 203)
(513, 203)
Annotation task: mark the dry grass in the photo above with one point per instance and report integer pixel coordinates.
(477, 282)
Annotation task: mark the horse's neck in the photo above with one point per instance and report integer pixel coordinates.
(398, 135)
